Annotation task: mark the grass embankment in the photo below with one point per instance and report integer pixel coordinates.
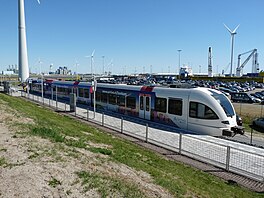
(180, 180)
(249, 112)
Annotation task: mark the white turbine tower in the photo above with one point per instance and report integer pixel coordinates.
(233, 33)
(92, 60)
(22, 46)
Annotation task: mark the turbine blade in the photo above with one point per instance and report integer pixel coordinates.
(93, 53)
(38, 1)
(236, 29)
(227, 28)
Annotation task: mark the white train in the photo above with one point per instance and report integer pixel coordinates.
(201, 110)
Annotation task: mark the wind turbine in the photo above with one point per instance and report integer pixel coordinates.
(92, 60)
(232, 33)
(76, 65)
(22, 46)
(109, 66)
(40, 66)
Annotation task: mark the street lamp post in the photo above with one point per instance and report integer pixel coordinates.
(41, 76)
(94, 103)
(42, 88)
(179, 59)
(103, 64)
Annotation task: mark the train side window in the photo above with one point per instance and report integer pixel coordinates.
(120, 100)
(60, 91)
(161, 105)
(209, 114)
(193, 109)
(86, 93)
(141, 102)
(65, 91)
(104, 97)
(112, 99)
(147, 103)
(131, 102)
(98, 96)
(80, 91)
(175, 106)
(198, 110)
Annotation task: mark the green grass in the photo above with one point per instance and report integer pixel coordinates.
(247, 120)
(3, 149)
(100, 150)
(34, 155)
(54, 182)
(2, 161)
(180, 180)
(48, 133)
(109, 186)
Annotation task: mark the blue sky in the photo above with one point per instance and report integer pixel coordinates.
(134, 34)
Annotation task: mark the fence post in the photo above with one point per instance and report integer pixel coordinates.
(65, 107)
(251, 136)
(180, 143)
(227, 157)
(33, 97)
(147, 132)
(122, 123)
(49, 102)
(103, 119)
(56, 98)
(87, 113)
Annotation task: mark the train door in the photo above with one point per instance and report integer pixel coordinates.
(144, 106)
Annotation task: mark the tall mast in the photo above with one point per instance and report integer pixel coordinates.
(22, 46)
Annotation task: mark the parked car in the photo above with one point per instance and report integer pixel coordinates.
(257, 100)
(258, 95)
(239, 120)
(258, 124)
(242, 97)
(226, 90)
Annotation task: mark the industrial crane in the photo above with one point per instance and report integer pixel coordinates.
(226, 68)
(255, 64)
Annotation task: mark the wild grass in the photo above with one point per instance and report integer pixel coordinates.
(109, 186)
(54, 182)
(2, 161)
(100, 150)
(3, 149)
(180, 180)
(249, 112)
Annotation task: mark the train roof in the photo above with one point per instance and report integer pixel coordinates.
(135, 87)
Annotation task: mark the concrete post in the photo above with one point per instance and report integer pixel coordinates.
(147, 133)
(227, 157)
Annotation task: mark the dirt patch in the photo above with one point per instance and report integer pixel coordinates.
(35, 167)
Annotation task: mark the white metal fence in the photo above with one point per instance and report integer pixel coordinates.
(235, 157)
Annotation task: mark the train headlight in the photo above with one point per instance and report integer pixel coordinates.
(226, 122)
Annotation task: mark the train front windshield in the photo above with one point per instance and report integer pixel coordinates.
(224, 102)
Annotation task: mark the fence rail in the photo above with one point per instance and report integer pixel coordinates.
(244, 160)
